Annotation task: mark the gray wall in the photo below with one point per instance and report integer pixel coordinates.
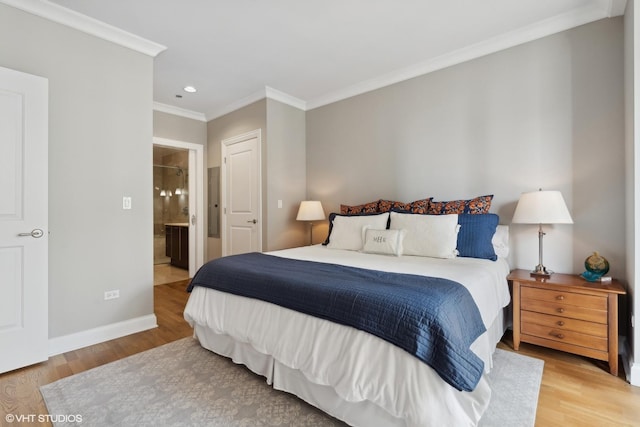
(547, 114)
(98, 153)
(170, 126)
(286, 175)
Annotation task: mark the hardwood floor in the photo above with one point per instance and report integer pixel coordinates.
(19, 389)
(575, 391)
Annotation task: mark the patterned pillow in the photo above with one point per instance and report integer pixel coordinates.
(417, 207)
(420, 206)
(389, 205)
(478, 205)
(371, 207)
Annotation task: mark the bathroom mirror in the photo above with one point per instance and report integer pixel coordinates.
(214, 201)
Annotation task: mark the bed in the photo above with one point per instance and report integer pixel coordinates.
(348, 372)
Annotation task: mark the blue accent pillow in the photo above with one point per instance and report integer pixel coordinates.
(474, 237)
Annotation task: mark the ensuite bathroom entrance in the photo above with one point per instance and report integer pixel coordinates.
(170, 214)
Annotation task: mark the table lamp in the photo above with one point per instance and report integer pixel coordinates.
(310, 210)
(541, 207)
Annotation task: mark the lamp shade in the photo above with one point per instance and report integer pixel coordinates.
(310, 210)
(542, 207)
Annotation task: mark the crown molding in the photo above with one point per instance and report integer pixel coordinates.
(590, 13)
(285, 98)
(70, 18)
(177, 111)
(236, 105)
(267, 92)
(615, 7)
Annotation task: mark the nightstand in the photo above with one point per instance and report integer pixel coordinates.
(565, 312)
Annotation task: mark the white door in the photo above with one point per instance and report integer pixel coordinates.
(23, 219)
(241, 185)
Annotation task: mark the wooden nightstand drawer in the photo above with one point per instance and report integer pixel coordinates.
(566, 336)
(564, 323)
(564, 310)
(567, 313)
(570, 298)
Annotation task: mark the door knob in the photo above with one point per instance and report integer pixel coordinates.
(36, 233)
(255, 221)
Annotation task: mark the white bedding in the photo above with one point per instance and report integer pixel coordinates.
(357, 367)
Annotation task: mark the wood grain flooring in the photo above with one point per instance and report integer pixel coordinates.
(19, 389)
(575, 391)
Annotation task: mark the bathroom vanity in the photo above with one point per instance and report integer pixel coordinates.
(177, 244)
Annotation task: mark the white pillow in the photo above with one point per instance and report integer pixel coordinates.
(386, 242)
(346, 232)
(433, 236)
(500, 241)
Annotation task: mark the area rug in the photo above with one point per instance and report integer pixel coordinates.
(182, 384)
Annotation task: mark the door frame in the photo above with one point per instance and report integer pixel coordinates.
(257, 133)
(196, 186)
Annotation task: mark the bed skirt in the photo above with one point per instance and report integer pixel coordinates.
(281, 377)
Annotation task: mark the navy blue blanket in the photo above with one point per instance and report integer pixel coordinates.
(434, 319)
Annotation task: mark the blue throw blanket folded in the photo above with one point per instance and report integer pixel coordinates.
(434, 319)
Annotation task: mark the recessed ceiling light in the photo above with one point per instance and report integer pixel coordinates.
(189, 89)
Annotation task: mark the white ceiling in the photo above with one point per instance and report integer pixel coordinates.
(313, 52)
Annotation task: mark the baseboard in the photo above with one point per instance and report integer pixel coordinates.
(93, 336)
(631, 369)
(634, 377)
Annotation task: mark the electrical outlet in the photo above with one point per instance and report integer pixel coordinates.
(126, 202)
(112, 294)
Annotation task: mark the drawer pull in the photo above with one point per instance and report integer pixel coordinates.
(560, 297)
(557, 335)
(560, 323)
(560, 310)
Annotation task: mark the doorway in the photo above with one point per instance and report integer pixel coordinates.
(170, 214)
(178, 199)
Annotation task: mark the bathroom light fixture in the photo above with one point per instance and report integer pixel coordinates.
(163, 193)
(178, 191)
(190, 89)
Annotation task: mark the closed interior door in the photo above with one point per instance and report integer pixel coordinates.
(23, 220)
(242, 230)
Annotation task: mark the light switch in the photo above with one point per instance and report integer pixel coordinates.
(279, 204)
(126, 202)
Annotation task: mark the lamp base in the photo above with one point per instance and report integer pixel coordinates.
(541, 272)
